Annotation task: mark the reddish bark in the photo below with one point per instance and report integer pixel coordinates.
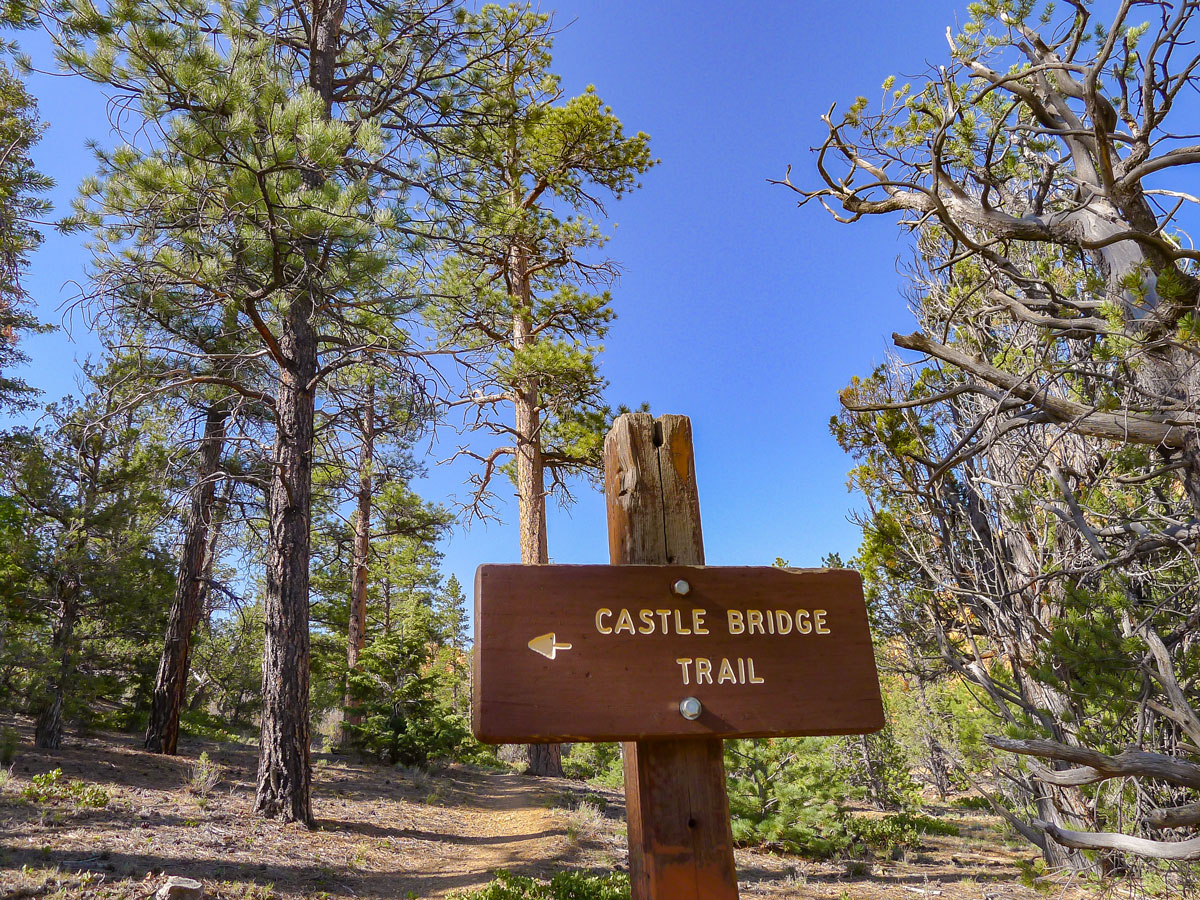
(284, 764)
(356, 632)
(191, 588)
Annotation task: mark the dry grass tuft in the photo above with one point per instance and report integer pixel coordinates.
(585, 824)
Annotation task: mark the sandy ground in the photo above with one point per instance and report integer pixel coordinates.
(386, 832)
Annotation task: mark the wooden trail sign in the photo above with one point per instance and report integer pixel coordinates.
(671, 657)
(615, 650)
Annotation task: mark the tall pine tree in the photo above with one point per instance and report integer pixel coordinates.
(287, 141)
(520, 289)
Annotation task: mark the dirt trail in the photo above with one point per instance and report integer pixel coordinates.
(381, 831)
(505, 823)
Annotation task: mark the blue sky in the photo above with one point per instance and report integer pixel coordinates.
(735, 307)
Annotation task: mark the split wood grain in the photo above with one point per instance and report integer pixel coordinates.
(680, 839)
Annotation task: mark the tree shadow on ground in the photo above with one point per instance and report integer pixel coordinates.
(305, 877)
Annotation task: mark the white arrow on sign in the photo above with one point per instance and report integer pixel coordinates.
(547, 645)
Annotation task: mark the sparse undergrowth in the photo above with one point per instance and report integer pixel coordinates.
(584, 823)
(50, 787)
(9, 740)
(563, 886)
(379, 835)
(205, 775)
(839, 833)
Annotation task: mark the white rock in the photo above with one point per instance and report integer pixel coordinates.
(179, 888)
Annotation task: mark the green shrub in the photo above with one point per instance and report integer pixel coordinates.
(1155, 885)
(786, 793)
(563, 886)
(815, 834)
(600, 763)
(86, 795)
(1033, 874)
(202, 723)
(8, 745)
(877, 766)
(826, 831)
(45, 787)
(405, 718)
(888, 834)
(49, 787)
(789, 794)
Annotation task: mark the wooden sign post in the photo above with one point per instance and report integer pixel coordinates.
(670, 657)
(676, 808)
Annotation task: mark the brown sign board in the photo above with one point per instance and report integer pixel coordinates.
(605, 653)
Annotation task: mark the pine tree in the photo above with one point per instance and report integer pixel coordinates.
(89, 494)
(195, 562)
(518, 292)
(21, 207)
(273, 202)
(451, 611)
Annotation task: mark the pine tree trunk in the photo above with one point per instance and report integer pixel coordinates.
(48, 730)
(356, 633)
(530, 466)
(284, 762)
(170, 686)
(284, 765)
(544, 759)
(200, 693)
(531, 477)
(387, 607)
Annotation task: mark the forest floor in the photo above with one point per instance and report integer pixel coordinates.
(388, 832)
